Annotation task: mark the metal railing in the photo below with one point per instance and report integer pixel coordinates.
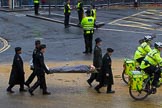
(25, 3)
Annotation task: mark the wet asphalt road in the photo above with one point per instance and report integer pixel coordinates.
(68, 45)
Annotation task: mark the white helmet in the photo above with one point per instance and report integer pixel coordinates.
(148, 38)
(158, 45)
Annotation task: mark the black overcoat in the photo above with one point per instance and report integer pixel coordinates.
(97, 58)
(97, 61)
(17, 71)
(39, 64)
(106, 69)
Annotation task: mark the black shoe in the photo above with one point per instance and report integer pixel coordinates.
(90, 53)
(10, 91)
(22, 90)
(85, 52)
(98, 91)
(112, 91)
(79, 25)
(37, 14)
(27, 85)
(153, 90)
(89, 83)
(31, 92)
(46, 93)
(67, 26)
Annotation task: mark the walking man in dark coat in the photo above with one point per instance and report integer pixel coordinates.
(106, 76)
(40, 69)
(33, 74)
(36, 6)
(97, 60)
(17, 72)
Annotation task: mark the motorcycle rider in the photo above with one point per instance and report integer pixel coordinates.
(143, 49)
(151, 64)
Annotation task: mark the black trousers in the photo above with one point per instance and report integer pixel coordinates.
(80, 16)
(101, 84)
(31, 78)
(40, 82)
(140, 60)
(66, 21)
(36, 7)
(135, 4)
(157, 72)
(88, 42)
(92, 77)
(12, 85)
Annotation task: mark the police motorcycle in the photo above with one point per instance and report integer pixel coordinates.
(131, 65)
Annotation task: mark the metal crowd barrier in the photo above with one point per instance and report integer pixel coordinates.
(46, 3)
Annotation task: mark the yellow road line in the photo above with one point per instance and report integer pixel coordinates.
(152, 10)
(139, 23)
(153, 13)
(151, 17)
(136, 23)
(134, 26)
(141, 19)
(125, 17)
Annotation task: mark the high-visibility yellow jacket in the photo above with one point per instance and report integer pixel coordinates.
(152, 58)
(80, 6)
(142, 50)
(67, 8)
(88, 24)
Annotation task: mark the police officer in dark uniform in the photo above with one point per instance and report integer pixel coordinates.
(80, 10)
(97, 60)
(40, 69)
(88, 28)
(106, 76)
(36, 6)
(67, 11)
(32, 76)
(17, 72)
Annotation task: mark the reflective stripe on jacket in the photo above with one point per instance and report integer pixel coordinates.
(79, 6)
(142, 50)
(88, 24)
(67, 8)
(36, 1)
(153, 58)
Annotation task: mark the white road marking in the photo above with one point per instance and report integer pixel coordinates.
(5, 45)
(125, 17)
(152, 19)
(137, 26)
(138, 23)
(126, 31)
(141, 19)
